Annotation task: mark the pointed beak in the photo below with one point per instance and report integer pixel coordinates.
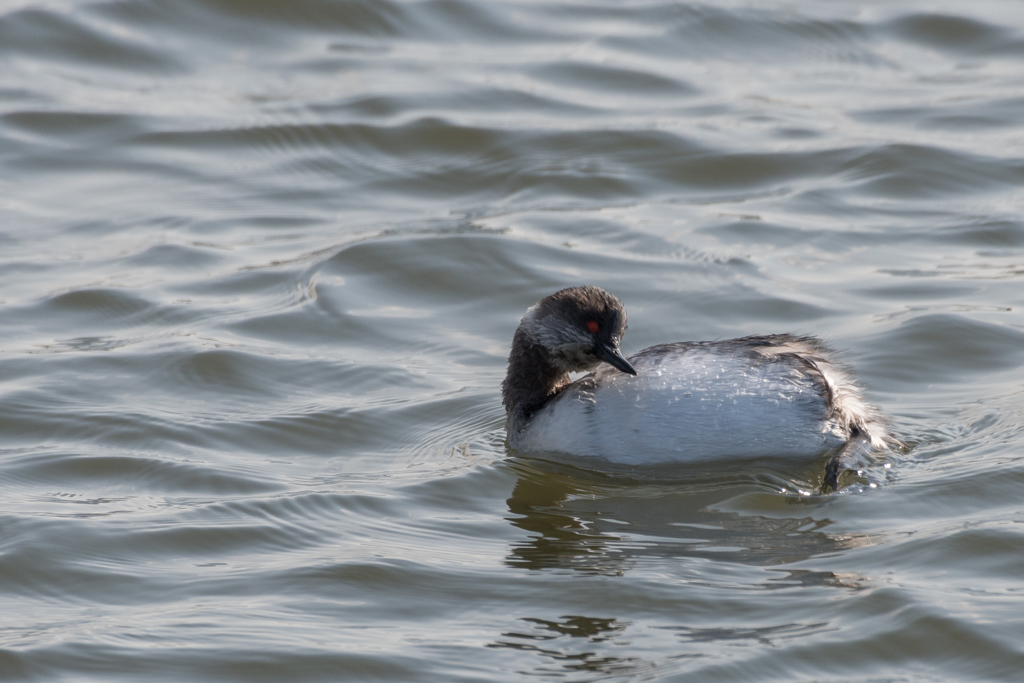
(613, 357)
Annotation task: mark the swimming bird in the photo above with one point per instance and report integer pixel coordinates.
(774, 395)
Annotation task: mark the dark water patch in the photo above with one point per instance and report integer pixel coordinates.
(356, 151)
(16, 94)
(211, 33)
(16, 666)
(919, 292)
(756, 231)
(449, 421)
(54, 323)
(28, 571)
(374, 106)
(991, 233)
(987, 550)
(360, 17)
(440, 158)
(60, 37)
(132, 474)
(176, 257)
(977, 113)
(253, 377)
(430, 157)
(101, 661)
(484, 100)
(129, 429)
(412, 579)
(767, 635)
(205, 542)
(326, 330)
(747, 171)
(464, 495)
(314, 666)
(333, 513)
(77, 344)
(604, 78)
(964, 271)
(796, 133)
(963, 471)
(256, 137)
(275, 284)
(71, 126)
(315, 430)
(104, 226)
(229, 407)
(483, 22)
(735, 305)
(741, 34)
(908, 171)
(958, 35)
(940, 348)
(922, 638)
(235, 371)
(509, 273)
(395, 266)
(109, 303)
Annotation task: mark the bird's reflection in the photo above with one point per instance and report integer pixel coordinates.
(610, 523)
(571, 642)
(603, 523)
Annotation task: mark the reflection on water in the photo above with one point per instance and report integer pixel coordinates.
(590, 522)
(804, 577)
(619, 527)
(558, 641)
(766, 636)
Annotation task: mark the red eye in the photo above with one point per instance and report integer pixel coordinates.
(593, 326)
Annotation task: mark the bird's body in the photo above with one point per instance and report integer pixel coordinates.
(777, 395)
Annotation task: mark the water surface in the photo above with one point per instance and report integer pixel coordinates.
(260, 265)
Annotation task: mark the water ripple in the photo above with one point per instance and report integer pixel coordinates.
(260, 264)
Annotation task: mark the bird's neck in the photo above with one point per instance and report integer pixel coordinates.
(532, 380)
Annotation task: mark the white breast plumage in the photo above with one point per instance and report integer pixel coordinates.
(688, 404)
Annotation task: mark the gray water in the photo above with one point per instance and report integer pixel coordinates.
(261, 262)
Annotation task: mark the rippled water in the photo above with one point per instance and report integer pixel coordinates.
(260, 264)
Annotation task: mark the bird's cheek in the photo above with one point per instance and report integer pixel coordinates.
(579, 357)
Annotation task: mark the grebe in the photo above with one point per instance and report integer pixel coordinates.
(774, 395)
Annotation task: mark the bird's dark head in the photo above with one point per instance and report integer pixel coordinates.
(578, 328)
